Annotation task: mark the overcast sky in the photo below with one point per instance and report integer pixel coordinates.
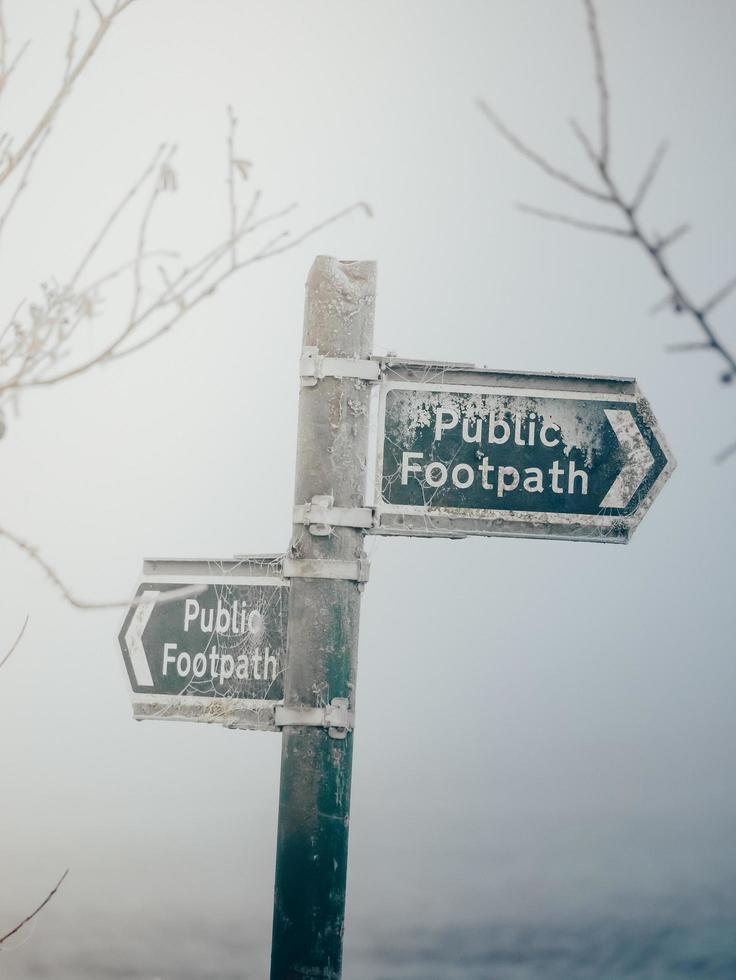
(540, 723)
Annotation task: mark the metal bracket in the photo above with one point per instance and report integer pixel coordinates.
(321, 516)
(336, 717)
(351, 571)
(313, 366)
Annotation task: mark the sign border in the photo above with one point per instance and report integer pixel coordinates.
(254, 714)
(416, 521)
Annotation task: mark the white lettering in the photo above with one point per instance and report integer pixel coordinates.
(168, 658)
(269, 662)
(493, 426)
(508, 479)
(535, 475)
(543, 434)
(469, 476)
(476, 436)
(222, 624)
(485, 469)
(440, 479)
(556, 472)
(408, 467)
(255, 623)
(572, 473)
(227, 667)
(191, 609)
(441, 426)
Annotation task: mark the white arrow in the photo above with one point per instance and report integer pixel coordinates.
(134, 638)
(639, 458)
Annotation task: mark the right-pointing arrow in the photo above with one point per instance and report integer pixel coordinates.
(134, 638)
(638, 462)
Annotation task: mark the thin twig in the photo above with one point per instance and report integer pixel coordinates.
(35, 912)
(23, 182)
(688, 345)
(653, 245)
(567, 219)
(649, 175)
(725, 454)
(664, 241)
(718, 297)
(537, 159)
(49, 114)
(601, 83)
(28, 549)
(232, 125)
(14, 647)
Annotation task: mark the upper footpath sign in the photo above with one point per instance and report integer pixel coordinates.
(469, 451)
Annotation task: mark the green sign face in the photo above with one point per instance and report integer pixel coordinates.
(214, 654)
(516, 460)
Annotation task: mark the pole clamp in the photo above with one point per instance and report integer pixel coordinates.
(313, 366)
(320, 515)
(336, 717)
(351, 571)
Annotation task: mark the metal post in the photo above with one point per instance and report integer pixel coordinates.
(322, 645)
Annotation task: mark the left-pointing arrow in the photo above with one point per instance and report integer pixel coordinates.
(639, 459)
(134, 638)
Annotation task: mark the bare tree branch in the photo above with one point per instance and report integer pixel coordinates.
(536, 158)
(14, 646)
(718, 297)
(653, 245)
(32, 552)
(566, 219)
(47, 117)
(601, 83)
(649, 175)
(664, 241)
(40, 339)
(726, 453)
(23, 182)
(35, 912)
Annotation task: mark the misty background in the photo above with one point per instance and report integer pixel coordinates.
(545, 734)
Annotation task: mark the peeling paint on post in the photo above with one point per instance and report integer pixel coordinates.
(322, 644)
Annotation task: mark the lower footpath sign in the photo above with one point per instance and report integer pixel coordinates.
(214, 655)
(463, 450)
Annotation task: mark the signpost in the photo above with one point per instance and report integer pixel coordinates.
(460, 451)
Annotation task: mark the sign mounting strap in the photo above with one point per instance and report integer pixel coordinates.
(336, 717)
(321, 516)
(313, 366)
(351, 571)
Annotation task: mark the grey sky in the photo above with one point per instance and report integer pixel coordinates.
(539, 722)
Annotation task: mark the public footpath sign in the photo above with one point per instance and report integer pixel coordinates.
(460, 450)
(215, 654)
(463, 451)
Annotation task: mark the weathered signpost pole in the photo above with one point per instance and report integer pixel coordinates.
(325, 569)
(460, 451)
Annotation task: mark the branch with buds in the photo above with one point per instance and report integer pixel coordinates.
(64, 331)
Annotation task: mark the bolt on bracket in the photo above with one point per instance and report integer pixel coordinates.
(320, 516)
(313, 366)
(336, 717)
(350, 571)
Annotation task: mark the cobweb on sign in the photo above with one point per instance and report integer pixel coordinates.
(239, 697)
(430, 519)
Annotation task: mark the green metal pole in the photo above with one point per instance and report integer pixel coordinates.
(322, 644)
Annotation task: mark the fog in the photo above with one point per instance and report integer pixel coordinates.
(544, 729)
